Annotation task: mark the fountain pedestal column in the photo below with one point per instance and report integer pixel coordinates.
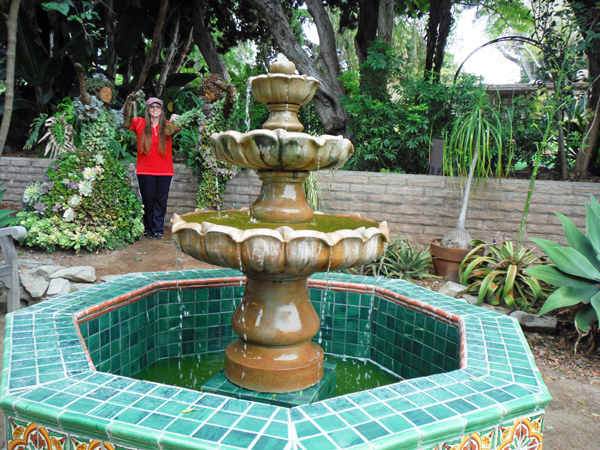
(275, 322)
(282, 198)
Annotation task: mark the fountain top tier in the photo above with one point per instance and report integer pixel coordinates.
(283, 93)
(279, 146)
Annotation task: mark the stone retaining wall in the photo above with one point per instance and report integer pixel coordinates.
(421, 207)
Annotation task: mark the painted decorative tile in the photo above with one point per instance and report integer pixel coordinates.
(475, 441)
(21, 435)
(30, 436)
(82, 443)
(56, 439)
(523, 434)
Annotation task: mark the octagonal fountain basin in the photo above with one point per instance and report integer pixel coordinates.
(470, 380)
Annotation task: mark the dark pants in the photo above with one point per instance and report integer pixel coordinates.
(154, 190)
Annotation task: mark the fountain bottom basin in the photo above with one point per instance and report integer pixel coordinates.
(470, 378)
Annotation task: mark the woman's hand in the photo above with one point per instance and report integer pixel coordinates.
(174, 117)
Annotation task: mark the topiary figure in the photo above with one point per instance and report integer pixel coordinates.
(85, 200)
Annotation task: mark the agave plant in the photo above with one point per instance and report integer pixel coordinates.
(500, 276)
(576, 269)
(402, 260)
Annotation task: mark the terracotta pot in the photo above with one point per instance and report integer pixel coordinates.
(446, 260)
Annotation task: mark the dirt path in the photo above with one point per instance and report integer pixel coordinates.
(146, 255)
(572, 418)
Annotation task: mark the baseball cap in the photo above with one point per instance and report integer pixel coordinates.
(153, 100)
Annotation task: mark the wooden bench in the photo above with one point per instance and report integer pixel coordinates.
(9, 271)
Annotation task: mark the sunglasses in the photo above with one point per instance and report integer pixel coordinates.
(154, 106)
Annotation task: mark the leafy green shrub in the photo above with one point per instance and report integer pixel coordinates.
(500, 277)
(392, 130)
(576, 269)
(194, 148)
(5, 219)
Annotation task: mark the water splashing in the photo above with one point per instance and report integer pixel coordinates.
(248, 98)
(180, 302)
(324, 299)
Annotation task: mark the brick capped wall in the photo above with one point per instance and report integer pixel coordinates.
(17, 173)
(421, 207)
(425, 207)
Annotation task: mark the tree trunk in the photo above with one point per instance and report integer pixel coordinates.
(593, 126)
(366, 32)
(203, 38)
(438, 29)
(154, 47)
(385, 21)
(443, 32)
(588, 20)
(111, 53)
(183, 51)
(9, 94)
(169, 55)
(561, 146)
(331, 89)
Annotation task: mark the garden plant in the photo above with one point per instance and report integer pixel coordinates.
(85, 200)
(575, 269)
(499, 277)
(401, 260)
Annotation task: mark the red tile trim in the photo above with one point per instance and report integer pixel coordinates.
(124, 299)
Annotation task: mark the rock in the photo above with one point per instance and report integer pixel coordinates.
(106, 278)
(25, 264)
(80, 286)
(452, 289)
(497, 309)
(35, 286)
(531, 322)
(58, 287)
(46, 271)
(80, 274)
(23, 294)
(472, 299)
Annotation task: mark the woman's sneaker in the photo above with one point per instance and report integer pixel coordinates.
(147, 234)
(158, 236)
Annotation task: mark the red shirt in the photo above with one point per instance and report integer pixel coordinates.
(152, 163)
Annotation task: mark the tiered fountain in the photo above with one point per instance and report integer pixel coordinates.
(279, 241)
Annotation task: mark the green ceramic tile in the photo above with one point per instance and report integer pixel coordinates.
(346, 438)
(278, 429)
(271, 443)
(210, 433)
(239, 439)
(317, 443)
(157, 421)
(372, 430)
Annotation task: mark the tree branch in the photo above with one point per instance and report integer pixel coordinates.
(154, 47)
(203, 38)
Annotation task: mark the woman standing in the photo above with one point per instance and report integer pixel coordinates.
(154, 168)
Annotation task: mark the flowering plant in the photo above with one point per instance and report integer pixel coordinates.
(82, 205)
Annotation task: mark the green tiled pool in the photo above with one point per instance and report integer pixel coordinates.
(470, 381)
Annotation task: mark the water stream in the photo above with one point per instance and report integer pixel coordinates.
(248, 99)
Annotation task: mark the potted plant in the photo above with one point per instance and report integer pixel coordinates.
(475, 134)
